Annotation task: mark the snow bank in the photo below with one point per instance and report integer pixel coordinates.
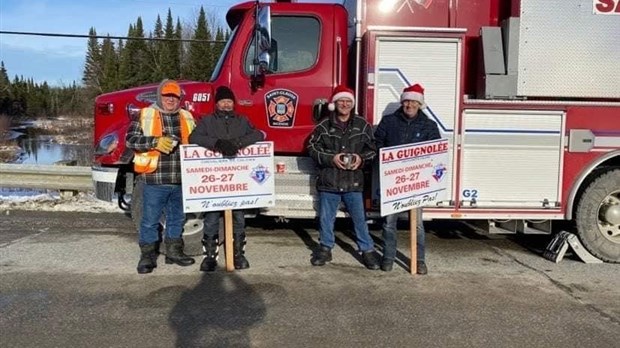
(44, 200)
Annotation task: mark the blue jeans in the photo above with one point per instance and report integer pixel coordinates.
(389, 236)
(211, 227)
(158, 199)
(328, 208)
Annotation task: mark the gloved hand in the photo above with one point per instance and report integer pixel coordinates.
(164, 144)
(226, 147)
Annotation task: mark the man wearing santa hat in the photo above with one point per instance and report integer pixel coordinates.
(406, 125)
(341, 145)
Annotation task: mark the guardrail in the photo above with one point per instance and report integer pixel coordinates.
(53, 177)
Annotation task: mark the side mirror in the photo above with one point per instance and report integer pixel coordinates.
(262, 37)
(319, 109)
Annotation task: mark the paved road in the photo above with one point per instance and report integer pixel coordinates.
(68, 280)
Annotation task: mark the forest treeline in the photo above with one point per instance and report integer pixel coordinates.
(118, 64)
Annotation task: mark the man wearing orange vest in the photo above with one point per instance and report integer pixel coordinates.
(154, 137)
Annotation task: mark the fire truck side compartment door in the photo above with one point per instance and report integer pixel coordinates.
(435, 63)
(511, 158)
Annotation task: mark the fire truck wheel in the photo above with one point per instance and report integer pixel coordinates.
(598, 216)
(192, 230)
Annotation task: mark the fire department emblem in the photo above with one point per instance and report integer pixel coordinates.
(438, 172)
(260, 174)
(281, 107)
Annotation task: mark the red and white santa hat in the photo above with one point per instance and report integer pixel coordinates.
(415, 92)
(340, 92)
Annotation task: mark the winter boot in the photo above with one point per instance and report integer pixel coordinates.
(370, 259)
(174, 253)
(209, 263)
(387, 264)
(238, 257)
(421, 268)
(321, 256)
(148, 258)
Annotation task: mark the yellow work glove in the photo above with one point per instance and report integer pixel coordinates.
(164, 144)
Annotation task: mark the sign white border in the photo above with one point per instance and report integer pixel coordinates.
(212, 182)
(413, 175)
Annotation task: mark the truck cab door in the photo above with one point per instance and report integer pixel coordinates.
(294, 79)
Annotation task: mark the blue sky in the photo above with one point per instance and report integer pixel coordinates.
(60, 61)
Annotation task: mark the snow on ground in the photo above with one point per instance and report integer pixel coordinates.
(47, 200)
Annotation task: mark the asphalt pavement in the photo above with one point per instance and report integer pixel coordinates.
(69, 280)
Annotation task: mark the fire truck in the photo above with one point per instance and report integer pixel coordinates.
(527, 93)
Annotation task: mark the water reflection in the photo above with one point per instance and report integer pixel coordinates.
(37, 146)
(43, 150)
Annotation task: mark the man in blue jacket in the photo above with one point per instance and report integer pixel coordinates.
(406, 125)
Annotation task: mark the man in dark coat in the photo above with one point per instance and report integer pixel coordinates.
(226, 132)
(406, 125)
(341, 145)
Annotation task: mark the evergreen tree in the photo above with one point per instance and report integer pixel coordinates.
(157, 49)
(200, 59)
(218, 46)
(5, 91)
(171, 51)
(142, 60)
(178, 34)
(109, 58)
(127, 66)
(92, 66)
(135, 67)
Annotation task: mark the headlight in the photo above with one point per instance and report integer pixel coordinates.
(107, 144)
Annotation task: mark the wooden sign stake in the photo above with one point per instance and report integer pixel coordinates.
(413, 237)
(228, 240)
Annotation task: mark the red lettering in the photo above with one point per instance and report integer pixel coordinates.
(218, 188)
(254, 151)
(387, 156)
(392, 191)
(607, 6)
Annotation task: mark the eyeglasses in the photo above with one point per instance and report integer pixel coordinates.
(344, 101)
(414, 102)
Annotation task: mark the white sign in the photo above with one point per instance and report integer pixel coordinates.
(412, 175)
(212, 182)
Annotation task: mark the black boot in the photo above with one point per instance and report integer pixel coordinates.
(148, 258)
(321, 256)
(239, 259)
(209, 263)
(174, 253)
(370, 259)
(387, 264)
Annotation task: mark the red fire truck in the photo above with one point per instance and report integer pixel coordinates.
(527, 92)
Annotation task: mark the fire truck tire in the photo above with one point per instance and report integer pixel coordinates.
(597, 216)
(192, 232)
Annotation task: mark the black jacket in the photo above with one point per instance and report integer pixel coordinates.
(397, 129)
(225, 125)
(328, 139)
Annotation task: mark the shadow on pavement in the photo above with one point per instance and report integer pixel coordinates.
(218, 312)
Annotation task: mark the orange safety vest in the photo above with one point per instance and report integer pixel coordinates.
(150, 121)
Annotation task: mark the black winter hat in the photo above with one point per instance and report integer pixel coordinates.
(223, 92)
